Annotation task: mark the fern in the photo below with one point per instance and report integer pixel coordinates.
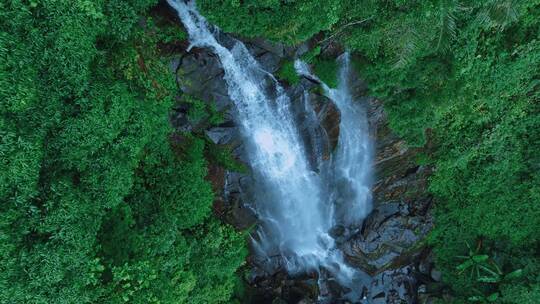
(407, 45)
(499, 14)
(448, 27)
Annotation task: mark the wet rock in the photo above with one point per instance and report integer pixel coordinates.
(325, 110)
(336, 289)
(393, 286)
(324, 289)
(223, 135)
(331, 49)
(424, 266)
(174, 64)
(268, 54)
(436, 275)
(302, 49)
(337, 231)
(295, 291)
(275, 48)
(241, 215)
(388, 238)
(269, 62)
(329, 116)
(267, 287)
(235, 210)
(398, 177)
(318, 120)
(179, 119)
(389, 245)
(199, 73)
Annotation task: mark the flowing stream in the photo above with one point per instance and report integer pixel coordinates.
(295, 205)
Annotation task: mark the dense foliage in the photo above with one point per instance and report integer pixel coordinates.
(470, 72)
(101, 201)
(462, 77)
(288, 21)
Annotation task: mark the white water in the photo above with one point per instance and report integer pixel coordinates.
(352, 160)
(294, 210)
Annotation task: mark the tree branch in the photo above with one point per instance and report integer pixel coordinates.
(345, 26)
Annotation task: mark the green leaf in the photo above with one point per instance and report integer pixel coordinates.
(493, 297)
(487, 269)
(480, 258)
(465, 265)
(514, 274)
(489, 279)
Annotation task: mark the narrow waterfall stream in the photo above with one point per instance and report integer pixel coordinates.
(352, 160)
(296, 205)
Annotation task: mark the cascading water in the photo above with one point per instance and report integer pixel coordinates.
(351, 162)
(295, 210)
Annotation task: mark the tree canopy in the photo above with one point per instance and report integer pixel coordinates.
(102, 201)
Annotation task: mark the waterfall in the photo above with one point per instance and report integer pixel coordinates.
(295, 210)
(352, 160)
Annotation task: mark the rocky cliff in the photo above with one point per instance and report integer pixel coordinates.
(389, 245)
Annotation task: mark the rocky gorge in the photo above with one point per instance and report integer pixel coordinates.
(390, 243)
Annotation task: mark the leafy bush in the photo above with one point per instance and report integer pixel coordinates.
(288, 21)
(288, 73)
(96, 205)
(202, 112)
(327, 70)
(469, 73)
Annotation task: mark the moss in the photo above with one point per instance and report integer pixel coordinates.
(202, 112)
(222, 155)
(327, 70)
(287, 73)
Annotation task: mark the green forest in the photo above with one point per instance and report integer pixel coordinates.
(104, 202)
(101, 201)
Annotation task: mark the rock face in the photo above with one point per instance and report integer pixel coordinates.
(389, 246)
(199, 73)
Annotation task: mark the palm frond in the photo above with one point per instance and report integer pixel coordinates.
(499, 14)
(448, 25)
(406, 46)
